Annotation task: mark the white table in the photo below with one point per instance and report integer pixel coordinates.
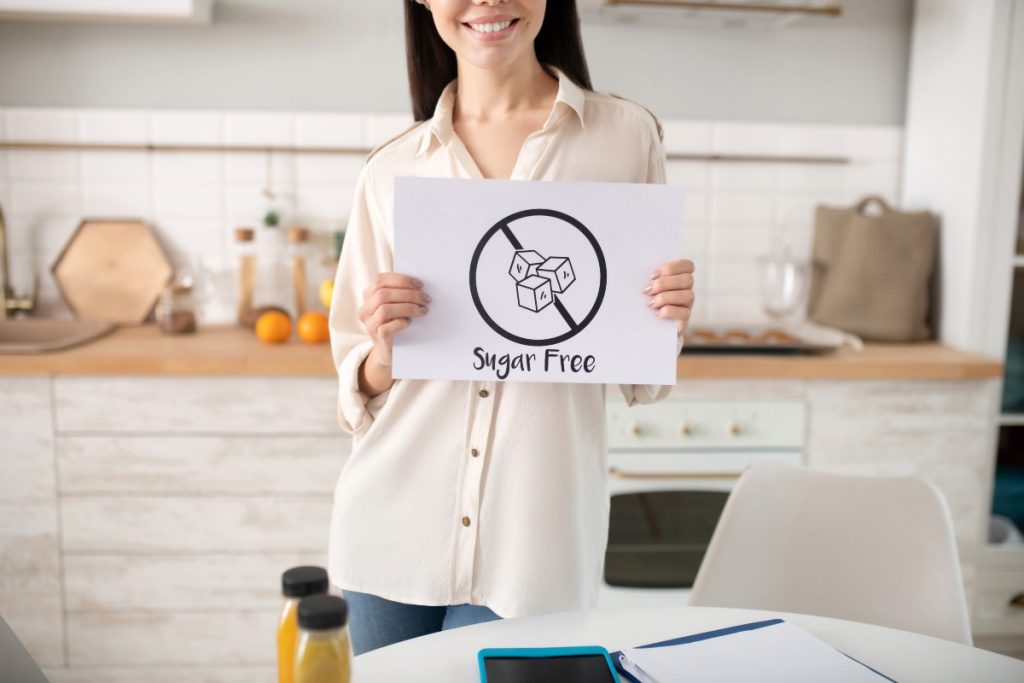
(450, 656)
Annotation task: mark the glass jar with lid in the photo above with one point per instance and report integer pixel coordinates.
(175, 310)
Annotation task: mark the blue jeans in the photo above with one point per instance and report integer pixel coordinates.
(375, 622)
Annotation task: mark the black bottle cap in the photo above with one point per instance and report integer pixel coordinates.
(298, 582)
(319, 612)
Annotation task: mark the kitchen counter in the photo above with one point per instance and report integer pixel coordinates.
(231, 351)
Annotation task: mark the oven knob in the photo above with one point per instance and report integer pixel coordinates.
(732, 428)
(684, 429)
(635, 429)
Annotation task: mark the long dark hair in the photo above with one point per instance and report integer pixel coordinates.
(432, 65)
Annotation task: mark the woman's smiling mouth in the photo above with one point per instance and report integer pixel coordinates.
(494, 28)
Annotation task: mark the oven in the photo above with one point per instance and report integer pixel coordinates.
(671, 467)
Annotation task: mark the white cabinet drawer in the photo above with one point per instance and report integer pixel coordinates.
(191, 405)
(707, 425)
(999, 602)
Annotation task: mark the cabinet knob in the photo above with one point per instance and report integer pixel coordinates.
(732, 428)
(635, 429)
(1017, 601)
(684, 429)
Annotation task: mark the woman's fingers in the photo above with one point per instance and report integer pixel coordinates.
(675, 312)
(390, 312)
(394, 295)
(389, 297)
(674, 297)
(669, 282)
(390, 329)
(396, 280)
(673, 268)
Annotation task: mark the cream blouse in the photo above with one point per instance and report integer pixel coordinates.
(485, 493)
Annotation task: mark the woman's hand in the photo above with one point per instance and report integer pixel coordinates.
(671, 292)
(389, 305)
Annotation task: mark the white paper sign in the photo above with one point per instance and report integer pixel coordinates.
(536, 281)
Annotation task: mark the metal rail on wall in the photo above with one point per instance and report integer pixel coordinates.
(264, 149)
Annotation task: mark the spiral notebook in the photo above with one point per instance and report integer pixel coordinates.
(773, 650)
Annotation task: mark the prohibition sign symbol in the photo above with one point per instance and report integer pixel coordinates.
(503, 228)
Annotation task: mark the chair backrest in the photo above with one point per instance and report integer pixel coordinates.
(878, 550)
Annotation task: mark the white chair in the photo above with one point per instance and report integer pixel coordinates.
(878, 550)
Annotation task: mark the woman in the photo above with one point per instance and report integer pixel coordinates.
(466, 501)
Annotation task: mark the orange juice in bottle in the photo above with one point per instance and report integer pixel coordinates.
(296, 583)
(324, 654)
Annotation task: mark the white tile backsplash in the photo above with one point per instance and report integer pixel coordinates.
(33, 200)
(734, 212)
(119, 127)
(316, 169)
(744, 176)
(187, 168)
(689, 174)
(31, 164)
(811, 178)
(47, 125)
(117, 201)
(687, 137)
(731, 208)
(187, 127)
(382, 127)
(330, 130)
(187, 203)
(258, 129)
(120, 167)
(741, 244)
(874, 144)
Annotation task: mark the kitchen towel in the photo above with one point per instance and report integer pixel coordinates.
(871, 274)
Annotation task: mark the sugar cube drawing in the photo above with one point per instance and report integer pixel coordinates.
(558, 270)
(524, 264)
(534, 293)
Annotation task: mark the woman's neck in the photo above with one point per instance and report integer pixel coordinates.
(489, 94)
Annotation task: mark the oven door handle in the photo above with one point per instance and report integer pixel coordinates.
(625, 474)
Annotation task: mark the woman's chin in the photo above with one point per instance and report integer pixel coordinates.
(492, 57)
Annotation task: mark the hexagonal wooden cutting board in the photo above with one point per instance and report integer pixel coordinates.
(112, 270)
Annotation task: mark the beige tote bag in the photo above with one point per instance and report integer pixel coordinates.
(871, 274)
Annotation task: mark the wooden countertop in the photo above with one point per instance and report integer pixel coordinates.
(230, 351)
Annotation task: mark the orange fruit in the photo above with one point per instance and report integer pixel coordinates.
(313, 328)
(273, 327)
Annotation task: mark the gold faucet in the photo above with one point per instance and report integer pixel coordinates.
(12, 303)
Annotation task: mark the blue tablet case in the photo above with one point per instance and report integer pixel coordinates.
(545, 652)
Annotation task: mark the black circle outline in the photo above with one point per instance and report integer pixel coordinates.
(602, 284)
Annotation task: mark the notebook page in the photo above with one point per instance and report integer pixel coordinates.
(781, 652)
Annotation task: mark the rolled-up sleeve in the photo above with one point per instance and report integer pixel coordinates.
(651, 393)
(366, 253)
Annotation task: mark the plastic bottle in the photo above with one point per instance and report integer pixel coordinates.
(324, 654)
(296, 583)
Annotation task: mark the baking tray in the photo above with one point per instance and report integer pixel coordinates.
(740, 339)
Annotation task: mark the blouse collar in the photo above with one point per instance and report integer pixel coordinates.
(570, 96)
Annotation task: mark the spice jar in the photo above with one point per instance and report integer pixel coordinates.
(297, 238)
(246, 251)
(176, 313)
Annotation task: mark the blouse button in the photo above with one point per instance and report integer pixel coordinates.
(484, 393)
(465, 521)
(474, 452)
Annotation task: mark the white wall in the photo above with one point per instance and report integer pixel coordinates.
(955, 135)
(348, 55)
